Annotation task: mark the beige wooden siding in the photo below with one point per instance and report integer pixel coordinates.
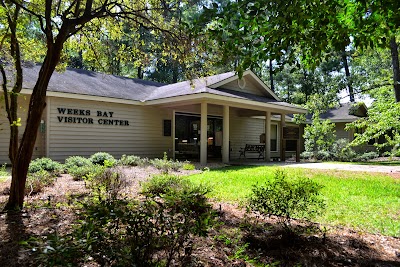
(250, 87)
(244, 130)
(38, 150)
(143, 136)
(341, 132)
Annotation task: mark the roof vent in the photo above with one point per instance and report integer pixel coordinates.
(241, 83)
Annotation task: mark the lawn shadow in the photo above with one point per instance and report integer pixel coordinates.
(267, 243)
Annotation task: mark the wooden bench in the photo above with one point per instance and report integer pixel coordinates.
(254, 149)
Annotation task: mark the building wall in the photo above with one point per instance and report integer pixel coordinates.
(39, 149)
(139, 129)
(341, 132)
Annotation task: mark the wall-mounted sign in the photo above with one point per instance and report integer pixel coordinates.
(83, 116)
(291, 132)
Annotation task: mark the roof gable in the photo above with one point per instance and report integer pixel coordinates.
(249, 83)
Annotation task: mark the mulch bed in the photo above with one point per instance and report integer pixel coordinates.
(236, 232)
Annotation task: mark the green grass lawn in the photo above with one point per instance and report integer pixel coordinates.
(367, 202)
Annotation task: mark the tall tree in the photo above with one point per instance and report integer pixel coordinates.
(255, 31)
(57, 22)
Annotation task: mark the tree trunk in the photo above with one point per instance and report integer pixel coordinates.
(396, 69)
(36, 106)
(271, 76)
(348, 78)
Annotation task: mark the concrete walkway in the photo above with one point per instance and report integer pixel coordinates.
(327, 166)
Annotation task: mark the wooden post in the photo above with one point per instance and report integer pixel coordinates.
(203, 134)
(283, 145)
(225, 138)
(268, 136)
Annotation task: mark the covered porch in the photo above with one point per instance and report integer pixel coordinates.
(223, 130)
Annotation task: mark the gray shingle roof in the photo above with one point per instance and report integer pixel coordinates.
(342, 113)
(84, 82)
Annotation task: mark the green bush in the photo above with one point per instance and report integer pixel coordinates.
(188, 166)
(99, 158)
(119, 232)
(323, 155)
(166, 165)
(79, 173)
(307, 155)
(161, 184)
(106, 182)
(46, 164)
(132, 160)
(298, 199)
(367, 156)
(341, 150)
(3, 171)
(77, 161)
(35, 182)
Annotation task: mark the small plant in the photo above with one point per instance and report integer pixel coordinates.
(161, 184)
(36, 181)
(46, 164)
(166, 165)
(132, 161)
(106, 183)
(342, 151)
(3, 171)
(100, 157)
(188, 166)
(77, 161)
(299, 199)
(367, 156)
(78, 173)
(156, 231)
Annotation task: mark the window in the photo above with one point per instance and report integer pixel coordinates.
(167, 128)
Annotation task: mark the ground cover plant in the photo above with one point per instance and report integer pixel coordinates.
(86, 223)
(3, 171)
(367, 202)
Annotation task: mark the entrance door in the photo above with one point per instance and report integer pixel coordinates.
(187, 136)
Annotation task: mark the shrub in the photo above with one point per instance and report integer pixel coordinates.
(77, 161)
(46, 164)
(100, 157)
(79, 173)
(342, 151)
(132, 161)
(307, 155)
(323, 155)
(367, 156)
(133, 233)
(166, 165)
(36, 181)
(299, 199)
(161, 184)
(188, 166)
(106, 182)
(319, 136)
(3, 171)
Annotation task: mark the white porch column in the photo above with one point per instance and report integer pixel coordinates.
(268, 136)
(203, 134)
(283, 145)
(173, 134)
(225, 138)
